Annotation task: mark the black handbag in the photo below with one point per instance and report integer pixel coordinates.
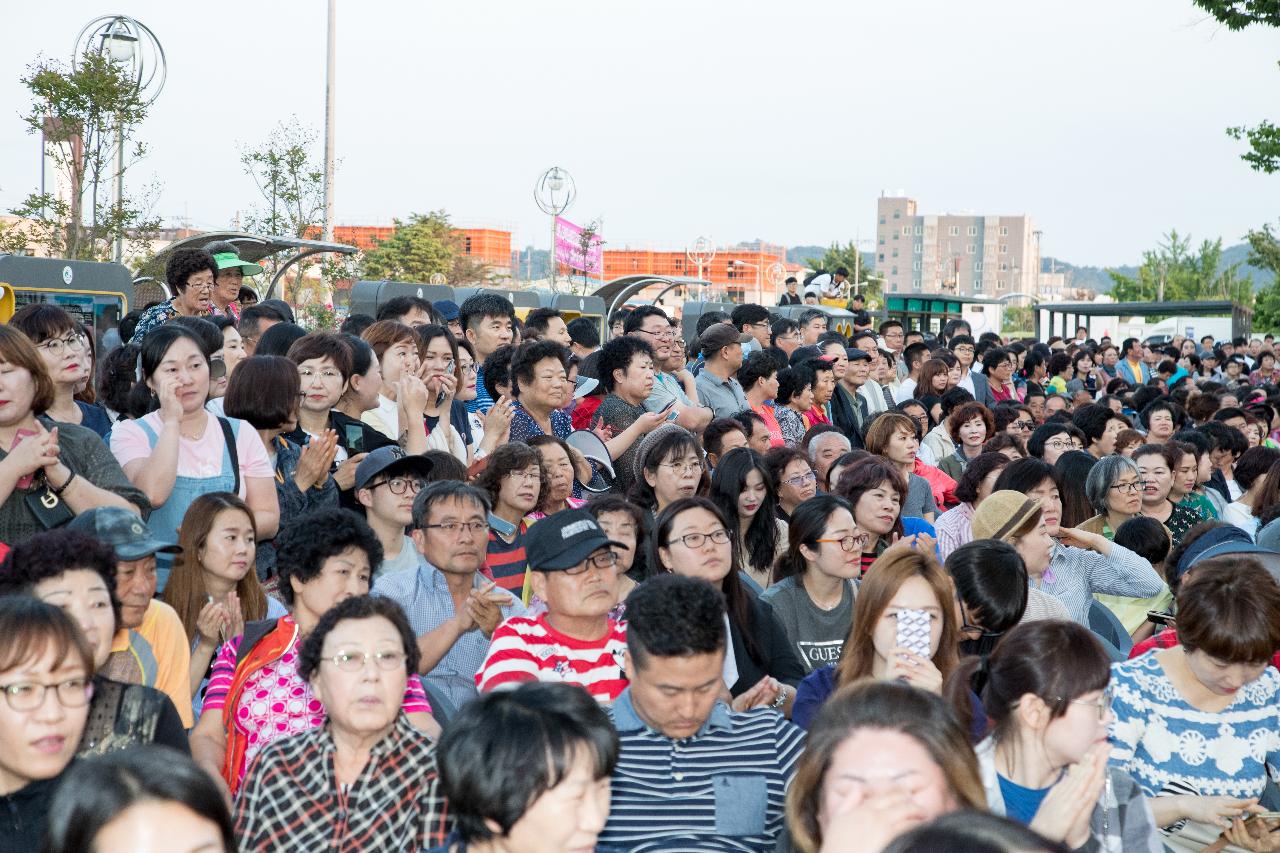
(51, 510)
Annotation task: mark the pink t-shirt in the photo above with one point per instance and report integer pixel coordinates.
(200, 458)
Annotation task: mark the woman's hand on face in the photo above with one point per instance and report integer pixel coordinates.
(915, 670)
(166, 389)
(761, 695)
(1064, 815)
(868, 823)
(345, 476)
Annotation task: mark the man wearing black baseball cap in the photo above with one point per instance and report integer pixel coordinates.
(574, 572)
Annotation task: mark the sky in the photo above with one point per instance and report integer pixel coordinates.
(1102, 120)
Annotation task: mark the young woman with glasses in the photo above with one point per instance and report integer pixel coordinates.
(63, 346)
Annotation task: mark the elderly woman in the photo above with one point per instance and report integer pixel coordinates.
(366, 779)
(540, 384)
(190, 274)
(1114, 488)
(323, 559)
(52, 471)
(794, 398)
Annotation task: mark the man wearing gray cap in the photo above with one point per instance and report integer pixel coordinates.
(575, 641)
(721, 347)
(150, 646)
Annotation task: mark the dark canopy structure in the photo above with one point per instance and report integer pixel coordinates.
(255, 247)
(1068, 314)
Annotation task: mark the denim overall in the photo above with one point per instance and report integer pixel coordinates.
(165, 519)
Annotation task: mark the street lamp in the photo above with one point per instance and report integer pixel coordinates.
(756, 267)
(554, 192)
(131, 43)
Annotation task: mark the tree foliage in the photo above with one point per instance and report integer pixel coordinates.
(1264, 246)
(1173, 271)
(1264, 140)
(418, 248)
(846, 255)
(82, 112)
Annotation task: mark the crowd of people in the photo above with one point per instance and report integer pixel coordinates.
(841, 590)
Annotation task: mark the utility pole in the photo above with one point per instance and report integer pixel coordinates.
(330, 94)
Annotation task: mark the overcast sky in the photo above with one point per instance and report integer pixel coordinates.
(1103, 120)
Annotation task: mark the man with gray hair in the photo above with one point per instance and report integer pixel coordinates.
(451, 606)
(824, 449)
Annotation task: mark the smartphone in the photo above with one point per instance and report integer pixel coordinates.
(19, 436)
(1158, 618)
(914, 632)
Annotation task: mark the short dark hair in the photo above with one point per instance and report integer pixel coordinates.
(52, 553)
(792, 381)
(783, 326)
(713, 435)
(889, 324)
(263, 390)
(617, 354)
(504, 750)
(42, 321)
(1230, 610)
(584, 332)
(914, 354)
(527, 356)
(505, 459)
(97, 791)
(709, 319)
(358, 607)
(1145, 537)
(303, 545)
(1092, 420)
(183, 264)
(399, 306)
(497, 369)
(439, 491)
(250, 316)
(1254, 463)
(759, 365)
(636, 318)
(672, 615)
(993, 357)
(539, 319)
(747, 315)
(330, 345)
(975, 472)
(991, 579)
(355, 324)
(1046, 431)
(480, 306)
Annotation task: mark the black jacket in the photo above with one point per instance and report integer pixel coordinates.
(849, 414)
(23, 814)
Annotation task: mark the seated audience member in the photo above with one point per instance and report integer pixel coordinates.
(528, 769)
(991, 588)
(150, 646)
(1251, 474)
(976, 483)
(77, 573)
(825, 445)
(515, 481)
(1051, 440)
(1156, 464)
(559, 461)
(865, 742)
(793, 478)
(1185, 717)
(39, 734)
(904, 578)
(143, 799)
(740, 486)
(324, 558)
(875, 489)
(1114, 488)
(387, 483)
(692, 773)
(973, 830)
(669, 466)
(721, 436)
(452, 607)
(1100, 426)
(574, 573)
(969, 426)
(366, 780)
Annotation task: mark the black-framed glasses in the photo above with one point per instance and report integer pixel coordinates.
(1024, 426)
(694, 541)
(1129, 488)
(399, 485)
(387, 661)
(603, 560)
(30, 695)
(966, 628)
(453, 528)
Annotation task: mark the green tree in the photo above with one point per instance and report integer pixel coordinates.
(1264, 245)
(1264, 139)
(418, 248)
(846, 255)
(82, 111)
(1174, 271)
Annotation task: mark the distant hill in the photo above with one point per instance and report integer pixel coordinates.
(1096, 278)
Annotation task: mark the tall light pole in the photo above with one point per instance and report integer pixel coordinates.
(702, 253)
(755, 267)
(554, 192)
(132, 44)
(330, 95)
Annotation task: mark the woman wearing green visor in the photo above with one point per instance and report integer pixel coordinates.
(231, 275)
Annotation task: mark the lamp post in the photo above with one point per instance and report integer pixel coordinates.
(756, 267)
(131, 43)
(702, 253)
(554, 192)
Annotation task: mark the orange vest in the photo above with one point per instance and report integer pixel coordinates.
(270, 648)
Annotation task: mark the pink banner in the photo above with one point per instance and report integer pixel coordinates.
(569, 248)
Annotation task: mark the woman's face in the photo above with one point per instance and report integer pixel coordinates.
(675, 477)
(1221, 677)
(1157, 478)
(1252, 435)
(232, 348)
(973, 432)
(1185, 475)
(39, 743)
(1125, 495)
(228, 551)
(466, 367)
(752, 495)
(914, 594)
(197, 297)
(803, 401)
(366, 700)
(1160, 425)
(874, 762)
(151, 825)
(620, 527)
(1057, 445)
(364, 390)
(711, 561)
(1069, 738)
(569, 816)
(559, 470)
(1110, 356)
(520, 489)
(550, 388)
(877, 509)
(401, 358)
(830, 557)
(64, 357)
(1050, 504)
(342, 576)
(185, 363)
(938, 383)
(1036, 549)
(798, 483)
(902, 447)
(439, 360)
(17, 391)
(1083, 366)
(1003, 371)
(83, 595)
(954, 375)
(322, 384)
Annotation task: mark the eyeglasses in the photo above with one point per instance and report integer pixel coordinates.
(29, 695)
(1060, 445)
(400, 485)
(963, 350)
(664, 334)
(355, 661)
(58, 346)
(471, 528)
(966, 628)
(1131, 488)
(527, 476)
(682, 467)
(801, 480)
(328, 374)
(1102, 703)
(1024, 426)
(694, 541)
(848, 543)
(470, 370)
(607, 560)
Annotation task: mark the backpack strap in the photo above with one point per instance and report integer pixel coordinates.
(232, 451)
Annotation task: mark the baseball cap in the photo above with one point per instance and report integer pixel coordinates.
(284, 309)
(388, 457)
(720, 335)
(227, 260)
(446, 308)
(563, 540)
(124, 531)
(855, 354)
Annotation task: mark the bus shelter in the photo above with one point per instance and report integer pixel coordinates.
(1063, 318)
(96, 294)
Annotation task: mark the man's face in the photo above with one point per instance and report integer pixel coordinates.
(488, 333)
(675, 695)
(760, 440)
(457, 551)
(657, 332)
(858, 372)
(381, 501)
(417, 317)
(1255, 347)
(583, 592)
(830, 448)
(814, 329)
(1054, 404)
(759, 331)
(895, 338)
(558, 331)
(732, 356)
(788, 342)
(1036, 405)
(135, 587)
(455, 326)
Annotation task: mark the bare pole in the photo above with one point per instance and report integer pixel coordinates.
(330, 95)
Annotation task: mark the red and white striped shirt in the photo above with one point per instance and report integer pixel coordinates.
(529, 649)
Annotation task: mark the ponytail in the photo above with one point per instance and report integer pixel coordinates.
(967, 681)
